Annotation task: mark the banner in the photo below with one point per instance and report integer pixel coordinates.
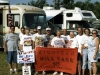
(25, 57)
(56, 59)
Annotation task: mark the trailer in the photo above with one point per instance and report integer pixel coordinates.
(68, 19)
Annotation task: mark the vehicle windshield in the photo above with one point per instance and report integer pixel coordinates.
(74, 24)
(34, 20)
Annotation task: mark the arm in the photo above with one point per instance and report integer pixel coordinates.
(97, 45)
(5, 46)
(33, 45)
(21, 47)
(5, 43)
(21, 44)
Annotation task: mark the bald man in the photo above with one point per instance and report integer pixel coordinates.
(72, 42)
(64, 36)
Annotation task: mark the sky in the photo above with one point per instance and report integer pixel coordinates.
(49, 1)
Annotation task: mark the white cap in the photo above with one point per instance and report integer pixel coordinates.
(39, 27)
(48, 28)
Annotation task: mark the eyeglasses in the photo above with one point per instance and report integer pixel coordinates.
(94, 33)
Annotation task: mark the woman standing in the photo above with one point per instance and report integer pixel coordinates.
(84, 51)
(93, 48)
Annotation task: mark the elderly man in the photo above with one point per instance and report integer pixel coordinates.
(39, 40)
(49, 37)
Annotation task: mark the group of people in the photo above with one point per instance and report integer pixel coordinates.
(88, 46)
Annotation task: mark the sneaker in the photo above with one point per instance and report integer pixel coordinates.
(43, 72)
(36, 73)
(55, 73)
(61, 73)
(11, 71)
(15, 70)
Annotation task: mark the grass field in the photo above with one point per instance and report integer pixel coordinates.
(4, 70)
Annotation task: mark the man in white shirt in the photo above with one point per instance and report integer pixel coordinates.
(58, 42)
(22, 32)
(64, 36)
(72, 42)
(49, 37)
(79, 38)
(39, 40)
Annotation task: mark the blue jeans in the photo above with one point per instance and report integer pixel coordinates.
(84, 60)
(12, 56)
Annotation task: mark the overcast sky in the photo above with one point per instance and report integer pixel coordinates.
(49, 1)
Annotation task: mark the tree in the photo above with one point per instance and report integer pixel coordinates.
(38, 3)
(96, 9)
(79, 4)
(57, 4)
(69, 4)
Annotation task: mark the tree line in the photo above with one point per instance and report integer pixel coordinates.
(69, 4)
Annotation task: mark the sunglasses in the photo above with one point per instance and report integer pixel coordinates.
(94, 33)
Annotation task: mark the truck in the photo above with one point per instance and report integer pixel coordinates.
(19, 16)
(68, 19)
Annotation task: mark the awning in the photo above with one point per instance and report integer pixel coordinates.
(52, 13)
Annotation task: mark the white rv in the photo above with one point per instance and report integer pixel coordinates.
(68, 19)
(19, 16)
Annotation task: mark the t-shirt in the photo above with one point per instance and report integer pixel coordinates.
(21, 35)
(12, 41)
(85, 40)
(79, 40)
(39, 39)
(64, 37)
(49, 38)
(26, 41)
(72, 43)
(58, 42)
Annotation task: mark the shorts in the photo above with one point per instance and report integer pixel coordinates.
(79, 58)
(12, 56)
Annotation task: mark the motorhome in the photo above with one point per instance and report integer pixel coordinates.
(19, 16)
(68, 19)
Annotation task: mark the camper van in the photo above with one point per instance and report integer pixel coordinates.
(68, 19)
(19, 16)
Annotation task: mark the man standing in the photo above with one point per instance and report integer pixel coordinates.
(39, 40)
(64, 36)
(58, 42)
(79, 40)
(22, 32)
(72, 42)
(49, 37)
(10, 47)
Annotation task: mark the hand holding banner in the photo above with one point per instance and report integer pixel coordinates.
(57, 59)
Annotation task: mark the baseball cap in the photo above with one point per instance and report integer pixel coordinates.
(39, 27)
(48, 28)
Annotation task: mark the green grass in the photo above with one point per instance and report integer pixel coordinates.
(4, 70)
